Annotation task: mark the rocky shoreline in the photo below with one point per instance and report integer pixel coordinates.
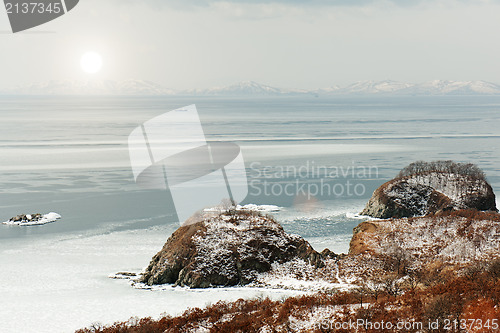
(439, 263)
(226, 249)
(435, 215)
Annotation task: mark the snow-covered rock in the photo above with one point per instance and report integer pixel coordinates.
(33, 219)
(225, 249)
(260, 208)
(452, 238)
(298, 274)
(249, 207)
(431, 191)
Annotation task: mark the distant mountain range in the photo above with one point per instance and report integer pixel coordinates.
(436, 87)
(250, 88)
(101, 87)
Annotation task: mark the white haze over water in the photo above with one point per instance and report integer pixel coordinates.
(69, 155)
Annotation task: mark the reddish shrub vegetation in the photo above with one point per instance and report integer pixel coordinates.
(474, 296)
(422, 167)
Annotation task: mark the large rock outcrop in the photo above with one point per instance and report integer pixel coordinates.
(434, 187)
(454, 237)
(224, 250)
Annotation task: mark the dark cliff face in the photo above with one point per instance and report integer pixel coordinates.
(430, 192)
(225, 250)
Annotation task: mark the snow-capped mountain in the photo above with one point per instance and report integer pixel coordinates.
(374, 87)
(435, 87)
(386, 87)
(239, 89)
(251, 88)
(327, 91)
(443, 87)
(98, 87)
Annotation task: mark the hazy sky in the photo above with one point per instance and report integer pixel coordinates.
(290, 44)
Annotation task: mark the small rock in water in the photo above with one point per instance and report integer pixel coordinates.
(26, 217)
(123, 275)
(33, 219)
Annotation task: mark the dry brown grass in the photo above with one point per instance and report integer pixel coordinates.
(442, 299)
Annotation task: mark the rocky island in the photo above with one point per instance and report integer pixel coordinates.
(422, 188)
(433, 259)
(33, 219)
(226, 249)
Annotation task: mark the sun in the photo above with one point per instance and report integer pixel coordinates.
(91, 62)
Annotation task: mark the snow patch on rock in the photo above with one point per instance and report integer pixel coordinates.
(33, 219)
(297, 274)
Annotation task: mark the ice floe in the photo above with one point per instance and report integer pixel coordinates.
(33, 219)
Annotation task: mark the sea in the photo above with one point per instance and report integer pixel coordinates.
(316, 160)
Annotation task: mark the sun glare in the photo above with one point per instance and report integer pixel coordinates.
(91, 62)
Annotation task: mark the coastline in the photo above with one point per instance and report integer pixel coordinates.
(62, 270)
